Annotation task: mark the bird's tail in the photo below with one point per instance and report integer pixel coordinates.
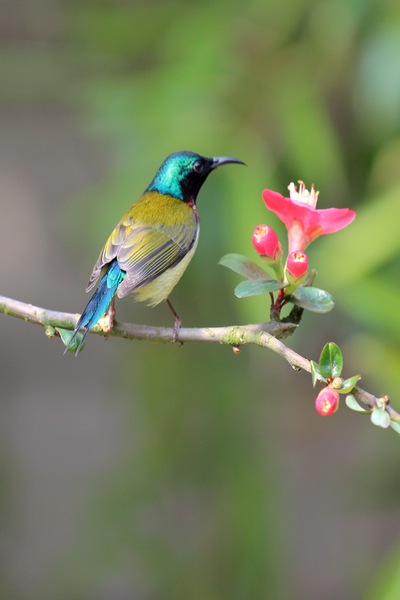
(99, 302)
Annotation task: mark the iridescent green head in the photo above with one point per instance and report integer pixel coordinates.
(183, 173)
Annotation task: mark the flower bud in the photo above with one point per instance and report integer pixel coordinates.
(296, 268)
(327, 401)
(337, 383)
(265, 242)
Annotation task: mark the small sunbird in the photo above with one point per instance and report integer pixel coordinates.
(150, 248)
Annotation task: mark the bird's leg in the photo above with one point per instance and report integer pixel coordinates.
(107, 320)
(177, 322)
(111, 312)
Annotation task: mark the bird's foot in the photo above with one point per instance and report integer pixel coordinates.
(111, 312)
(107, 320)
(177, 323)
(105, 323)
(177, 326)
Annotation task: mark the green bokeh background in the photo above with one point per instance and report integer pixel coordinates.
(144, 471)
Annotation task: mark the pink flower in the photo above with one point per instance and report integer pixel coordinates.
(296, 267)
(265, 241)
(303, 221)
(327, 401)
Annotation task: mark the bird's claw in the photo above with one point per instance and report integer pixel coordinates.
(177, 326)
(107, 320)
(105, 323)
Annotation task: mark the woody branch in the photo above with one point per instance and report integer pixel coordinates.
(264, 335)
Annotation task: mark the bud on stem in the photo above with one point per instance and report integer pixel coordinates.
(269, 248)
(327, 401)
(295, 270)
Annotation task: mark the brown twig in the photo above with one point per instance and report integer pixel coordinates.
(264, 335)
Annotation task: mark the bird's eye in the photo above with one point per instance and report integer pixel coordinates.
(198, 166)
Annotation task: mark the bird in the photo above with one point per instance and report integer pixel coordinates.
(153, 243)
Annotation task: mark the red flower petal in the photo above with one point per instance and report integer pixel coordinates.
(312, 221)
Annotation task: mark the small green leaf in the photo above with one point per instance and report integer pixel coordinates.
(380, 418)
(256, 287)
(311, 275)
(313, 299)
(66, 335)
(348, 384)
(243, 266)
(395, 426)
(316, 374)
(353, 404)
(331, 361)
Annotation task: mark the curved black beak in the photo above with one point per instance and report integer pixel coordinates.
(224, 160)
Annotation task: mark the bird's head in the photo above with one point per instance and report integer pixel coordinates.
(183, 173)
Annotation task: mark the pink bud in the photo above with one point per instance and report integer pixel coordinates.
(265, 241)
(327, 401)
(297, 265)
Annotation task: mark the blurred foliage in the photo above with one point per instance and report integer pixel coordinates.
(298, 90)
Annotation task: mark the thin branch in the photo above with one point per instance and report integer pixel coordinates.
(264, 335)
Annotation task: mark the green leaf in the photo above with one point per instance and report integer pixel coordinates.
(380, 418)
(256, 287)
(313, 299)
(243, 266)
(395, 426)
(66, 335)
(353, 404)
(316, 374)
(331, 361)
(348, 384)
(311, 275)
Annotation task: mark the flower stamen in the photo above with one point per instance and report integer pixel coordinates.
(326, 406)
(303, 195)
(260, 231)
(299, 257)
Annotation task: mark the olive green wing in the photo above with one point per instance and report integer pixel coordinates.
(144, 252)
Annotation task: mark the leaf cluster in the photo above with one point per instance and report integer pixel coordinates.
(258, 282)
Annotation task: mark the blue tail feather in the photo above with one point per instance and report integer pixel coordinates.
(99, 302)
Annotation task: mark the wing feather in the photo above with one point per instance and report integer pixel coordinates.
(146, 256)
(108, 253)
(144, 251)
